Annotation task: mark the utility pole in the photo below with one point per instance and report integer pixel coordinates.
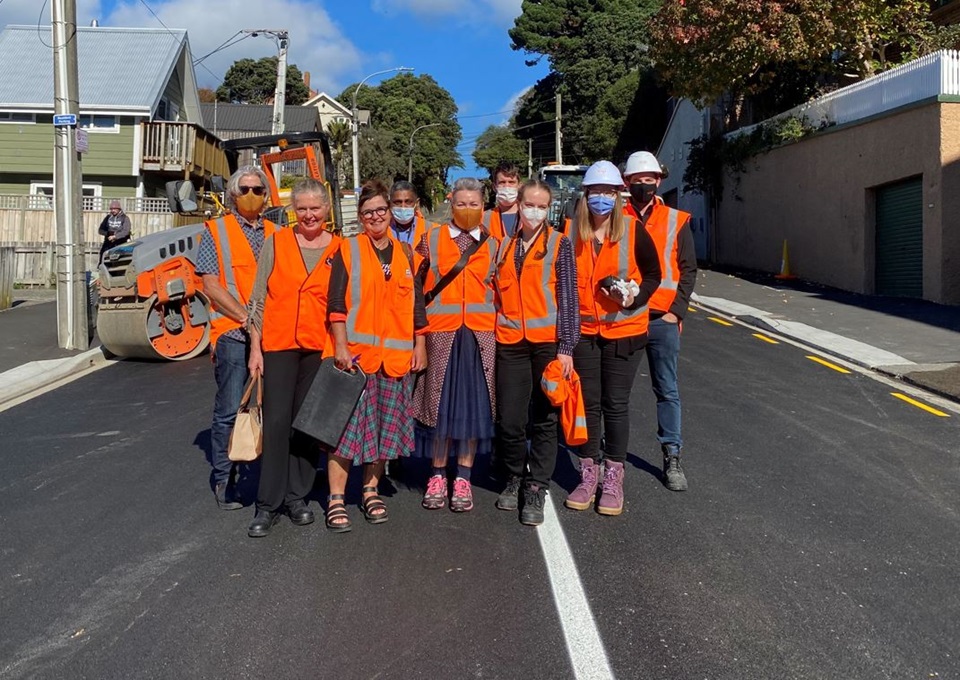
(559, 133)
(280, 93)
(410, 152)
(355, 116)
(530, 157)
(72, 323)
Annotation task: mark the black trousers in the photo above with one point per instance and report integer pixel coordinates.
(521, 401)
(607, 369)
(288, 466)
(108, 244)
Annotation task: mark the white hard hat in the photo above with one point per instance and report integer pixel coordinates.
(642, 161)
(602, 172)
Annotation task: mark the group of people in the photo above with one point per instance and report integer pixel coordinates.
(459, 328)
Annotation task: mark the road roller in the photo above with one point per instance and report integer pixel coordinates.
(152, 304)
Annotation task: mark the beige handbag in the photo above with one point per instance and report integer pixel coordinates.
(246, 440)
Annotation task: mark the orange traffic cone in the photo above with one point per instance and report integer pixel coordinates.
(785, 264)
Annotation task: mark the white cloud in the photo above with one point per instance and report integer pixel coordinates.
(499, 12)
(511, 104)
(316, 43)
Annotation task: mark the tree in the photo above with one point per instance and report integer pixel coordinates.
(625, 121)
(249, 81)
(397, 107)
(339, 135)
(207, 96)
(499, 143)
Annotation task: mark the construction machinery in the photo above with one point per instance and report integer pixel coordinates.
(152, 303)
(565, 182)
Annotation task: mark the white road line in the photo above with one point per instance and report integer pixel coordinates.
(587, 654)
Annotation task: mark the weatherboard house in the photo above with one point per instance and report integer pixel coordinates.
(139, 108)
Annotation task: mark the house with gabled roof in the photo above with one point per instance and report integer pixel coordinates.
(138, 105)
(332, 110)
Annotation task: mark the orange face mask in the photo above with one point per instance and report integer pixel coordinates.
(467, 218)
(249, 203)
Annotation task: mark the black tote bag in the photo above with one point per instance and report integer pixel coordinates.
(330, 402)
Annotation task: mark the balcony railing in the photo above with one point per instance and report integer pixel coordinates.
(181, 148)
(934, 75)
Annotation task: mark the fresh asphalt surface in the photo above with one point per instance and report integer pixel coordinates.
(819, 539)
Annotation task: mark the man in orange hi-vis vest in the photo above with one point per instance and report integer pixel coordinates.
(227, 262)
(501, 220)
(670, 230)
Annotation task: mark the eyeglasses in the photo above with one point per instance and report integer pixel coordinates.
(609, 193)
(379, 212)
(257, 191)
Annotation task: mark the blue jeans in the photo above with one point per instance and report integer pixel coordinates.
(230, 370)
(663, 350)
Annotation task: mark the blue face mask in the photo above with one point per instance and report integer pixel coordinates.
(403, 215)
(600, 205)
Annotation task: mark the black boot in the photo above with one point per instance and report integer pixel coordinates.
(299, 513)
(533, 500)
(673, 475)
(262, 523)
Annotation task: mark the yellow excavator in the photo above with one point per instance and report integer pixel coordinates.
(152, 303)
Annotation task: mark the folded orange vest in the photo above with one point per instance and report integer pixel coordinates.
(568, 397)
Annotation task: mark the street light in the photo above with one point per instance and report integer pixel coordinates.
(410, 163)
(356, 125)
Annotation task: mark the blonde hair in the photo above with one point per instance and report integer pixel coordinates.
(529, 185)
(618, 221)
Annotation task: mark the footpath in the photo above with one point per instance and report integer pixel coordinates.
(911, 340)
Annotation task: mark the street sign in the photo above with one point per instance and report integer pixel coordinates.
(65, 119)
(83, 144)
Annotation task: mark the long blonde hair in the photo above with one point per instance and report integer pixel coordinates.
(618, 221)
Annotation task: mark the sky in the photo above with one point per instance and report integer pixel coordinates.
(463, 44)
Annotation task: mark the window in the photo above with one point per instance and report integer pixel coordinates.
(17, 117)
(99, 123)
(41, 196)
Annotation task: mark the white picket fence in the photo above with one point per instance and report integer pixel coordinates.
(934, 75)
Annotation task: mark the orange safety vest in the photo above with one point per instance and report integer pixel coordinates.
(567, 395)
(379, 312)
(527, 306)
(664, 225)
(295, 310)
(599, 315)
(419, 229)
(238, 267)
(468, 299)
(493, 222)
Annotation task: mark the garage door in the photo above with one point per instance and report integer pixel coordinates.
(899, 263)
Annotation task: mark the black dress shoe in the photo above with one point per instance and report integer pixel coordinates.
(262, 523)
(299, 513)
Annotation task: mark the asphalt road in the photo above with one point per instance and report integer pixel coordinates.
(819, 539)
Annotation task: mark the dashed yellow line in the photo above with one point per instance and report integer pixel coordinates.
(760, 336)
(719, 321)
(824, 362)
(692, 309)
(919, 404)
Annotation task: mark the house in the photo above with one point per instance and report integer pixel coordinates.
(238, 121)
(333, 111)
(138, 104)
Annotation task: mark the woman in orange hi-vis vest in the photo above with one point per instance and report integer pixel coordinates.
(538, 320)
(377, 321)
(454, 401)
(288, 331)
(617, 272)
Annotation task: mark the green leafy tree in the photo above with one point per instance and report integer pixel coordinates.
(339, 135)
(625, 121)
(499, 143)
(250, 81)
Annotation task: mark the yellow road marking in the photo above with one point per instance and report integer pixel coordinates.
(758, 336)
(920, 405)
(719, 321)
(691, 309)
(823, 362)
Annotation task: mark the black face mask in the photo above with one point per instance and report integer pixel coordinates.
(643, 193)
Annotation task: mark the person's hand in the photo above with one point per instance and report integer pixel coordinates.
(614, 294)
(566, 363)
(111, 238)
(419, 362)
(255, 362)
(342, 358)
(670, 317)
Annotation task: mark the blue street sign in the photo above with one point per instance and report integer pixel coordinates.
(65, 120)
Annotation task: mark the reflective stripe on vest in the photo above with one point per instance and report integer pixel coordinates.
(624, 247)
(673, 226)
(226, 265)
(548, 266)
(356, 279)
(436, 308)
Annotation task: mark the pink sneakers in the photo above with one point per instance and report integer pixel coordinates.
(462, 498)
(436, 494)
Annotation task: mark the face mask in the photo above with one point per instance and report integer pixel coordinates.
(534, 216)
(403, 215)
(249, 204)
(643, 193)
(600, 205)
(507, 195)
(467, 218)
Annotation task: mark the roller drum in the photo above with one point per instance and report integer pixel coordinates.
(139, 329)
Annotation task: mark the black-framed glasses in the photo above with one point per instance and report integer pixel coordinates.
(257, 191)
(379, 212)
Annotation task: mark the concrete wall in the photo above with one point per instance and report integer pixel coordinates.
(819, 195)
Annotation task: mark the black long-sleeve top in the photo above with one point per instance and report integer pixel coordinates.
(340, 279)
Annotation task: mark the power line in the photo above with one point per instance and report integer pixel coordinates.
(39, 19)
(221, 46)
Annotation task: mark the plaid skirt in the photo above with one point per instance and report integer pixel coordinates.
(381, 427)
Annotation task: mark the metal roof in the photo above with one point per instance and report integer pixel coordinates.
(257, 118)
(120, 68)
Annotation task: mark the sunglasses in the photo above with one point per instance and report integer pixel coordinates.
(257, 191)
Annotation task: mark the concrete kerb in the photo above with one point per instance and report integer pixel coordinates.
(19, 384)
(853, 351)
